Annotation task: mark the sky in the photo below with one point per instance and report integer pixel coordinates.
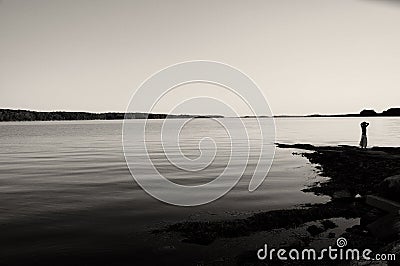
(309, 56)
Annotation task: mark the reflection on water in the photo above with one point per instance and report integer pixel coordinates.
(60, 178)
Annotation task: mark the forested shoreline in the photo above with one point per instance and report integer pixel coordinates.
(25, 115)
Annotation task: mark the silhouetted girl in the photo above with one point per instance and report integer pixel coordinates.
(363, 141)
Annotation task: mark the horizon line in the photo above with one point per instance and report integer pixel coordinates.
(191, 114)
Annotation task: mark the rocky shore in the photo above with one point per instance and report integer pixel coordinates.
(363, 185)
(354, 171)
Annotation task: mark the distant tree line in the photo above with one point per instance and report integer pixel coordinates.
(26, 115)
(389, 112)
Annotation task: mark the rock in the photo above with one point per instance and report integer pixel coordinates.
(371, 216)
(383, 203)
(341, 194)
(393, 248)
(390, 187)
(328, 224)
(315, 230)
(331, 235)
(386, 228)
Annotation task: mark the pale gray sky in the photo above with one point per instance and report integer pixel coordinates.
(309, 56)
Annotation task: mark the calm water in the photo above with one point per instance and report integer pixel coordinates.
(64, 183)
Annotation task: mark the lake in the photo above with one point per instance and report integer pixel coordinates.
(65, 184)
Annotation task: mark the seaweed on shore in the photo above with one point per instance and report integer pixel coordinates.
(205, 232)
